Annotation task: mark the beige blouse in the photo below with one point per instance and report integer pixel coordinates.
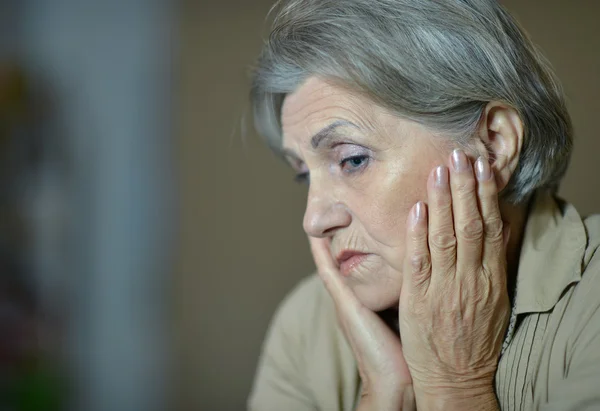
(551, 357)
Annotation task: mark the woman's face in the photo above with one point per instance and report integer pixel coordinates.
(366, 168)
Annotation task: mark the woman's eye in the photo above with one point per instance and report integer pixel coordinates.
(302, 178)
(355, 162)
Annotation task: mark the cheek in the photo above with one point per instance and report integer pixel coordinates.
(391, 199)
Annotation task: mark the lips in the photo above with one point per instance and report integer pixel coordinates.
(348, 260)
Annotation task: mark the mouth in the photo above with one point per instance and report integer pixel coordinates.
(348, 260)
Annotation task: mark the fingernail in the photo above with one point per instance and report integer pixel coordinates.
(482, 169)
(459, 160)
(417, 212)
(441, 176)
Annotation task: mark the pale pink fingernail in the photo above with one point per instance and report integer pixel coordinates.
(441, 176)
(459, 160)
(482, 169)
(417, 212)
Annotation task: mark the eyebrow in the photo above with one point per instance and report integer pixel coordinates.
(324, 134)
(329, 131)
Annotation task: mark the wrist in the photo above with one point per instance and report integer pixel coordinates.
(398, 399)
(457, 399)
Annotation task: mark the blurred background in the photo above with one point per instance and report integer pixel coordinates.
(146, 233)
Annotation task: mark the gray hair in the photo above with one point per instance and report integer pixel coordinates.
(435, 62)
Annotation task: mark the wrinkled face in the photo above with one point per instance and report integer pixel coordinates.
(366, 168)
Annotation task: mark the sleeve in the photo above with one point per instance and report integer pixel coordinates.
(280, 382)
(580, 388)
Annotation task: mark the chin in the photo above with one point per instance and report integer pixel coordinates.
(377, 297)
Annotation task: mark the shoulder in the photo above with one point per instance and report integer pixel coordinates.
(590, 265)
(582, 317)
(592, 228)
(303, 301)
(284, 375)
(586, 291)
(310, 287)
(304, 309)
(300, 332)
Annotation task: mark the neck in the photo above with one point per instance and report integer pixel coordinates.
(516, 218)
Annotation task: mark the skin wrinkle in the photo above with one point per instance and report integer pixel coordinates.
(366, 209)
(420, 63)
(369, 206)
(437, 64)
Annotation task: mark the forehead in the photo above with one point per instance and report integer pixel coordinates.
(316, 103)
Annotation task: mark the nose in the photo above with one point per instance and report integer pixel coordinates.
(324, 214)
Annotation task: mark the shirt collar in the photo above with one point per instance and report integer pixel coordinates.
(552, 251)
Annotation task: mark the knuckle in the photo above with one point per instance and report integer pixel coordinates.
(420, 263)
(442, 204)
(443, 212)
(417, 235)
(471, 229)
(493, 228)
(466, 188)
(443, 241)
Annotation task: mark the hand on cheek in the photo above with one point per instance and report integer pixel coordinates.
(454, 306)
(385, 378)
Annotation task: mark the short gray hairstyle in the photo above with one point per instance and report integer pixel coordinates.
(436, 62)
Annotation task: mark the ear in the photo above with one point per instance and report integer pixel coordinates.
(501, 131)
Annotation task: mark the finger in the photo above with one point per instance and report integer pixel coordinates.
(442, 242)
(468, 225)
(329, 273)
(417, 261)
(376, 348)
(493, 227)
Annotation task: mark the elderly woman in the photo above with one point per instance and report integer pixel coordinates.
(433, 137)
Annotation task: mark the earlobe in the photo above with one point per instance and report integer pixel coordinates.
(501, 131)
